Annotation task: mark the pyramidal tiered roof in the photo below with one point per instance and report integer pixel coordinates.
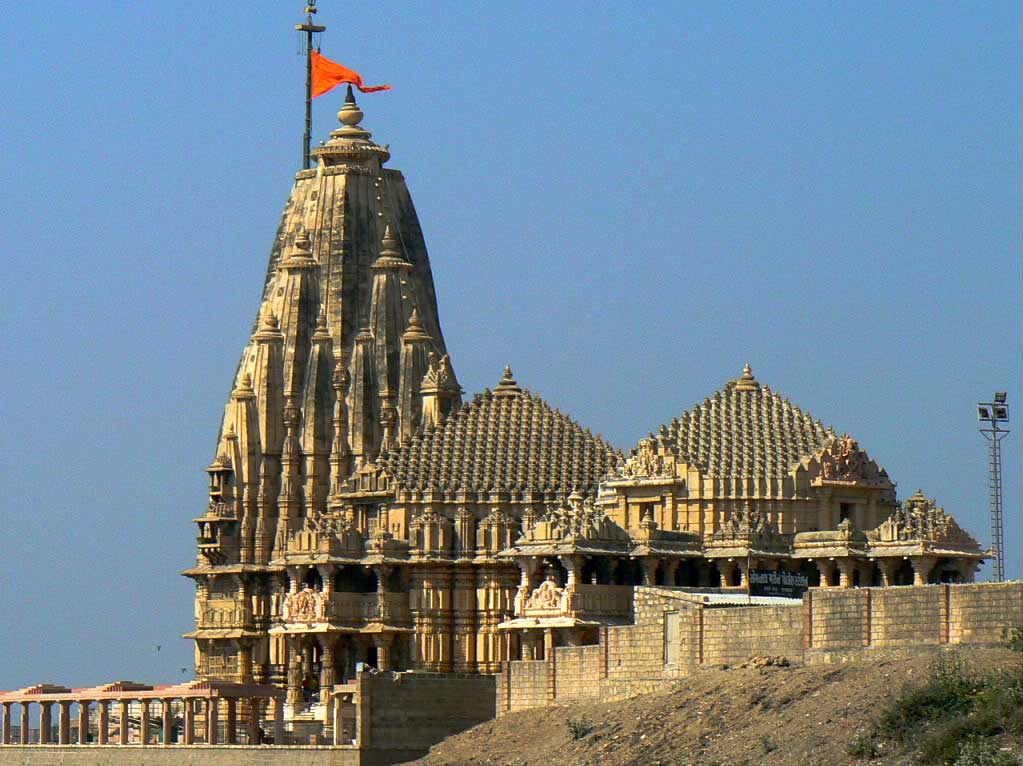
(505, 440)
(746, 429)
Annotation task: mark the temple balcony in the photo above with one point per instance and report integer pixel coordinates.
(224, 617)
(581, 603)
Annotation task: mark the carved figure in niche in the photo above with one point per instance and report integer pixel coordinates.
(646, 461)
(546, 596)
(304, 606)
(843, 461)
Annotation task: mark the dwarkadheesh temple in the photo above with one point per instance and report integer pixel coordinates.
(363, 518)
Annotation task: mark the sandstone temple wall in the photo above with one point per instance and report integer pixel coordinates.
(675, 634)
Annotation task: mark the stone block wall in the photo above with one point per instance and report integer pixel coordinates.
(830, 625)
(404, 714)
(578, 671)
(732, 635)
(983, 613)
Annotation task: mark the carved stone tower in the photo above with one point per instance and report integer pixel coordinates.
(347, 332)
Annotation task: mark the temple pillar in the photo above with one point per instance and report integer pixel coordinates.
(24, 729)
(232, 721)
(294, 696)
(83, 722)
(826, 568)
(64, 723)
(327, 667)
(166, 722)
(887, 567)
(144, 722)
(383, 645)
(968, 569)
(278, 722)
(103, 730)
(845, 570)
(188, 736)
(125, 723)
(45, 722)
(922, 566)
(5, 734)
(650, 570)
(744, 567)
(212, 710)
(252, 724)
(244, 661)
(670, 570)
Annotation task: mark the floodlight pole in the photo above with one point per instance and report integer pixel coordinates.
(994, 434)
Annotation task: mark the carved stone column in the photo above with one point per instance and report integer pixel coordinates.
(887, 567)
(383, 645)
(104, 721)
(5, 735)
(188, 736)
(252, 724)
(825, 567)
(144, 723)
(294, 696)
(327, 676)
(212, 710)
(64, 724)
(166, 722)
(83, 721)
(922, 566)
(232, 721)
(463, 618)
(845, 570)
(125, 723)
(650, 570)
(244, 660)
(45, 722)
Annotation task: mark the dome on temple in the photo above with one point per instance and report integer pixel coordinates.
(747, 430)
(506, 440)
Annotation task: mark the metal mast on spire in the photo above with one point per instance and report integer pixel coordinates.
(310, 29)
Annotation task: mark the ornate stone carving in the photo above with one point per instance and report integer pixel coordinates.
(746, 523)
(920, 519)
(646, 462)
(305, 606)
(547, 596)
(843, 461)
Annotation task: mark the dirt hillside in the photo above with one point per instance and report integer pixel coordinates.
(758, 716)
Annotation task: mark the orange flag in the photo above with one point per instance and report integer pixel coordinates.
(327, 74)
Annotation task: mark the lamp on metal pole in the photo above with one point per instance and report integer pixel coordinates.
(990, 414)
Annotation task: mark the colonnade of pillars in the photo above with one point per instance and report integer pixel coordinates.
(734, 572)
(154, 726)
(337, 656)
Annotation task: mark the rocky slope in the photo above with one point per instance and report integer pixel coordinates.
(744, 715)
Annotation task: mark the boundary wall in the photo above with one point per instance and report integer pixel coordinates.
(677, 632)
(398, 717)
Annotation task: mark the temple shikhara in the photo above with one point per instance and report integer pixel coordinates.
(362, 511)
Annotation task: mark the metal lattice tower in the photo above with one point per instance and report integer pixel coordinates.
(990, 415)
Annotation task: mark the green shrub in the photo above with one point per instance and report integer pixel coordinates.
(1016, 639)
(976, 751)
(580, 727)
(948, 692)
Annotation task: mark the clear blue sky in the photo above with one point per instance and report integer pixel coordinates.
(624, 202)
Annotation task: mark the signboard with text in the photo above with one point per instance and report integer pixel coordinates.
(763, 582)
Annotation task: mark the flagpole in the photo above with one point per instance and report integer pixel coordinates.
(309, 28)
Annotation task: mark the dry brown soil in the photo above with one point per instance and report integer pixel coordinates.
(739, 716)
